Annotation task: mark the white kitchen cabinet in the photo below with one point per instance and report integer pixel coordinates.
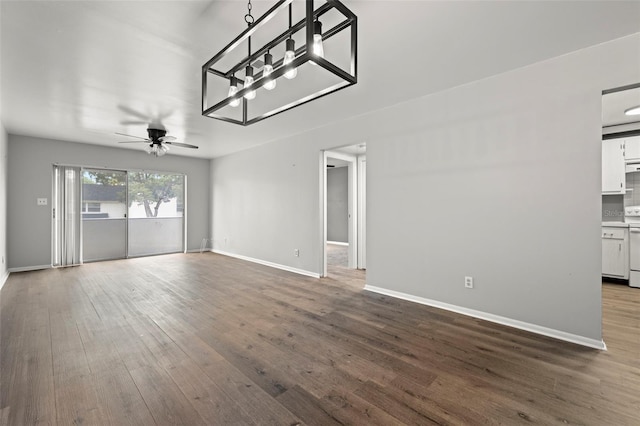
(615, 252)
(613, 168)
(632, 149)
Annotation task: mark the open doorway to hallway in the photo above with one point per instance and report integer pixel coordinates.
(344, 208)
(621, 185)
(620, 213)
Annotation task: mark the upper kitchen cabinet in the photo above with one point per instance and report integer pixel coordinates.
(632, 149)
(613, 180)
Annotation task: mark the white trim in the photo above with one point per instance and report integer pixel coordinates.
(352, 203)
(270, 264)
(362, 211)
(338, 243)
(533, 328)
(31, 268)
(184, 212)
(323, 211)
(4, 279)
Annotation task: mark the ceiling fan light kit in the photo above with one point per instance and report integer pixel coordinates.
(312, 51)
(157, 142)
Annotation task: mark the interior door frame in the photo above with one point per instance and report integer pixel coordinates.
(362, 211)
(352, 183)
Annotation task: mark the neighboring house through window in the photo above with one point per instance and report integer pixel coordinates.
(90, 207)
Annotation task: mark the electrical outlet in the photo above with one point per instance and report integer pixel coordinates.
(296, 253)
(468, 282)
(42, 201)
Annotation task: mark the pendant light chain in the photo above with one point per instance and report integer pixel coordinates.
(248, 18)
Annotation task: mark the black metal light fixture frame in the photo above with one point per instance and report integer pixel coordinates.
(303, 55)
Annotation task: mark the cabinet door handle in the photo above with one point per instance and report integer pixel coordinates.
(620, 247)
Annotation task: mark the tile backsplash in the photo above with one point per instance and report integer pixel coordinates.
(613, 208)
(613, 205)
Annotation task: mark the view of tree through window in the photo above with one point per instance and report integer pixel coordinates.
(158, 195)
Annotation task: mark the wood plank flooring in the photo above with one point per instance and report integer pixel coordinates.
(203, 339)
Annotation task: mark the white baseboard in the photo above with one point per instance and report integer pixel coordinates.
(4, 279)
(29, 268)
(270, 264)
(533, 328)
(338, 243)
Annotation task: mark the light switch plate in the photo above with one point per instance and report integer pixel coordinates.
(42, 201)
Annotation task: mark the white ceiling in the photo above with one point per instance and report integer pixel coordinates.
(82, 70)
(614, 105)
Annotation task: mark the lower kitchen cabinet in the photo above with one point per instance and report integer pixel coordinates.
(615, 252)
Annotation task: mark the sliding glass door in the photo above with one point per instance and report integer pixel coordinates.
(156, 213)
(104, 214)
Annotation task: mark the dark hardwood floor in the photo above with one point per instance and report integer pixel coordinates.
(205, 339)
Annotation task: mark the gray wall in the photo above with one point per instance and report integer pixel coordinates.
(337, 205)
(30, 174)
(479, 177)
(3, 204)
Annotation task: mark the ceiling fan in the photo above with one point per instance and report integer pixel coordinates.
(158, 141)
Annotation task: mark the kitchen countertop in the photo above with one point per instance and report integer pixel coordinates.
(617, 224)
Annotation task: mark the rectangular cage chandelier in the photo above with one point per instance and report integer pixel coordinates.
(242, 91)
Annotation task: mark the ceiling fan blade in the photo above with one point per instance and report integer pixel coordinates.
(132, 136)
(167, 138)
(165, 114)
(133, 112)
(147, 141)
(183, 145)
(133, 122)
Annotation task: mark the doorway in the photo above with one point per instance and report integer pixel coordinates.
(620, 184)
(344, 208)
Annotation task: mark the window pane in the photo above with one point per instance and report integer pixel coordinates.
(155, 213)
(104, 210)
(104, 192)
(155, 195)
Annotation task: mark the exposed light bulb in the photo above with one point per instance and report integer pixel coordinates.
(248, 81)
(318, 48)
(233, 89)
(633, 111)
(289, 56)
(267, 70)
